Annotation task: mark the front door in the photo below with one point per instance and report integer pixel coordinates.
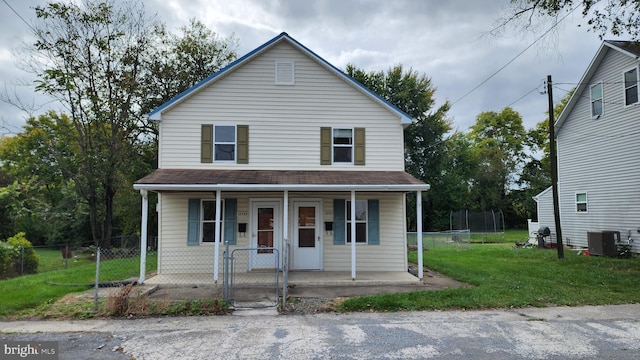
(306, 236)
(265, 234)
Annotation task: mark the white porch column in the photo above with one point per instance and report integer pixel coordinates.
(216, 251)
(419, 232)
(353, 235)
(143, 235)
(285, 229)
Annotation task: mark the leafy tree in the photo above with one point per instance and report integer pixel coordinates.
(424, 139)
(109, 64)
(178, 62)
(617, 17)
(42, 199)
(498, 148)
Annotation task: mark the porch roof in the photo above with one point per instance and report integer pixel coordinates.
(278, 180)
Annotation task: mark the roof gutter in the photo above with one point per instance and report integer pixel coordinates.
(281, 187)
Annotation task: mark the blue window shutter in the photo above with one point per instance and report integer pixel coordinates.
(193, 219)
(373, 225)
(230, 211)
(339, 222)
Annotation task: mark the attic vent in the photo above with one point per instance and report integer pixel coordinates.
(285, 73)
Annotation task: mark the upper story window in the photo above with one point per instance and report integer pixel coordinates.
(581, 202)
(342, 145)
(224, 145)
(208, 221)
(285, 73)
(596, 100)
(631, 86)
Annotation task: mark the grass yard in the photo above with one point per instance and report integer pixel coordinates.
(504, 276)
(51, 259)
(31, 290)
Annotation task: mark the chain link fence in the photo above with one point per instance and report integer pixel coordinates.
(252, 277)
(460, 239)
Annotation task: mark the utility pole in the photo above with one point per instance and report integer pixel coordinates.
(554, 171)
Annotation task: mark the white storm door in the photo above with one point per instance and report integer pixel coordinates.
(266, 234)
(307, 242)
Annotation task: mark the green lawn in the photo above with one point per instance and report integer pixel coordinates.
(32, 290)
(504, 276)
(50, 260)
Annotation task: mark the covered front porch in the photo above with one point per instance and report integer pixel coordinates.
(271, 203)
(295, 278)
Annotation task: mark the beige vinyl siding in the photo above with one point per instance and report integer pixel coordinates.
(177, 258)
(390, 255)
(284, 121)
(600, 157)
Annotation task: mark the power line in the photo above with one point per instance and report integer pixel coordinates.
(20, 16)
(517, 56)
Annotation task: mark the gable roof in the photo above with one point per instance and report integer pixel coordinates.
(629, 48)
(156, 114)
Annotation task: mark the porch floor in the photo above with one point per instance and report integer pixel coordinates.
(296, 278)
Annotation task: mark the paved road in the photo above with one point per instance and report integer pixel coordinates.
(598, 332)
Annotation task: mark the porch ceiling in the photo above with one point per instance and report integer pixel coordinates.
(278, 180)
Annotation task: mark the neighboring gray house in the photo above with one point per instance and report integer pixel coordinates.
(598, 147)
(280, 147)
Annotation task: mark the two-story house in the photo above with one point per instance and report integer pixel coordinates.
(280, 147)
(598, 150)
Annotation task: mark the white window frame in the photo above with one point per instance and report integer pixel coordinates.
(280, 68)
(203, 221)
(584, 202)
(351, 146)
(601, 99)
(625, 87)
(348, 222)
(234, 143)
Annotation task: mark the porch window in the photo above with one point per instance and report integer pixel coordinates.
(581, 202)
(361, 221)
(631, 87)
(596, 100)
(224, 146)
(209, 221)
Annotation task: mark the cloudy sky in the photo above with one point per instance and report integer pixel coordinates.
(447, 40)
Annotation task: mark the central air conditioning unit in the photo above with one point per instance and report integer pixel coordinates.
(603, 243)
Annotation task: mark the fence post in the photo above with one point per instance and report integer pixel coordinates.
(95, 293)
(66, 256)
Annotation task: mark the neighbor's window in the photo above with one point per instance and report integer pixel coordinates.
(209, 220)
(361, 221)
(631, 87)
(224, 146)
(581, 202)
(596, 100)
(342, 145)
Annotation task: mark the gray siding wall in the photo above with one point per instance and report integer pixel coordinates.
(545, 210)
(601, 157)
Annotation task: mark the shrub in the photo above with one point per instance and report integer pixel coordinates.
(24, 259)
